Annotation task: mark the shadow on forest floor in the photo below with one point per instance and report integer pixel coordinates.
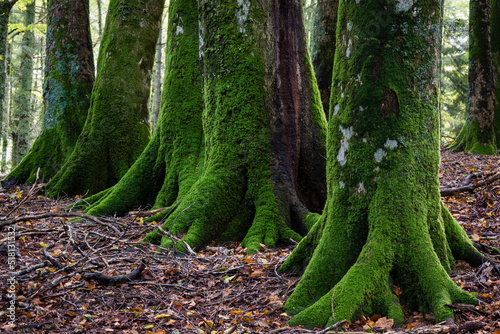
(67, 272)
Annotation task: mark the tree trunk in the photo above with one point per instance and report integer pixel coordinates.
(6, 107)
(156, 103)
(495, 60)
(99, 17)
(384, 224)
(323, 41)
(116, 130)
(258, 165)
(23, 111)
(478, 134)
(67, 88)
(5, 8)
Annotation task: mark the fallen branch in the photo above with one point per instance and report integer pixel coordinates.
(471, 186)
(62, 215)
(114, 280)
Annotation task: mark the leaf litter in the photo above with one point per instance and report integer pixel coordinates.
(89, 275)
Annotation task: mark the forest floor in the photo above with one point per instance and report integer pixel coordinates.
(87, 276)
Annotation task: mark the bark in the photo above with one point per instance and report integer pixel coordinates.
(99, 16)
(323, 41)
(69, 77)
(23, 111)
(478, 134)
(252, 164)
(495, 60)
(384, 224)
(5, 8)
(6, 108)
(116, 130)
(156, 102)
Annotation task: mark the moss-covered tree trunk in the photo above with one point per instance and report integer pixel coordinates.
(323, 47)
(69, 76)
(116, 130)
(495, 60)
(478, 134)
(253, 163)
(5, 9)
(384, 224)
(23, 110)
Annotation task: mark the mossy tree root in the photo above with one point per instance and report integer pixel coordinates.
(408, 258)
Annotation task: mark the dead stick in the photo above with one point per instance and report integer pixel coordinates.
(60, 215)
(469, 187)
(114, 280)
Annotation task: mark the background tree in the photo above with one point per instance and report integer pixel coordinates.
(68, 85)
(156, 87)
(478, 134)
(22, 113)
(116, 130)
(323, 47)
(261, 162)
(454, 69)
(5, 9)
(495, 59)
(384, 224)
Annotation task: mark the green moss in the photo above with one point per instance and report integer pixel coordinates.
(384, 223)
(116, 130)
(215, 167)
(68, 84)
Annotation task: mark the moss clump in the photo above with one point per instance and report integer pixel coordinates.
(116, 130)
(384, 224)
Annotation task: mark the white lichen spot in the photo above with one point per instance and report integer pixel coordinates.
(360, 189)
(365, 140)
(357, 2)
(179, 30)
(349, 26)
(342, 95)
(391, 144)
(361, 108)
(341, 158)
(348, 132)
(404, 5)
(242, 14)
(348, 51)
(344, 144)
(376, 169)
(341, 185)
(336, 109)
(380, 154)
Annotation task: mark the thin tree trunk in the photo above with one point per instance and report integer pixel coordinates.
(155, 105)
(26, 82)
(5, 9)
(99, 16)
(323, 41)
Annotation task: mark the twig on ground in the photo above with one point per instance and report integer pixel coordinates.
(114, 280)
